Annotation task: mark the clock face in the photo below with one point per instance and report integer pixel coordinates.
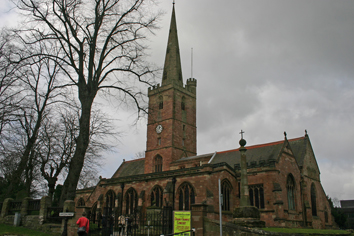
(159, 129)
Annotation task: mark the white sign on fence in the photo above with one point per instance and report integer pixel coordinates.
(66, 214)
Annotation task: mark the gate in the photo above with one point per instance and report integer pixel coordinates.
(152, 223)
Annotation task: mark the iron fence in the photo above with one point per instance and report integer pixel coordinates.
(15, 206)
(151, 223)
(53, 214)
(34, 207)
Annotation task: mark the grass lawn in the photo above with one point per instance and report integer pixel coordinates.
(306, 231)
(7, 229)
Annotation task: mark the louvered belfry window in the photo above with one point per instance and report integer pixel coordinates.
(158, 163)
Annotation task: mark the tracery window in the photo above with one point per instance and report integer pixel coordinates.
(81, 202)
(131, 201)
(290, 187)
(156, 196)
(158, 163)
(256, 194)
(110, 202)
(226, 193)
(186, 197)
(313, 200)
(160, 102)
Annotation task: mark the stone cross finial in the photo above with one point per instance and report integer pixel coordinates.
(242, 132)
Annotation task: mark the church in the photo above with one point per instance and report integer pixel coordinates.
(283, 176)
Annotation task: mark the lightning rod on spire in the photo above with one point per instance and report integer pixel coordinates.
(191, 62)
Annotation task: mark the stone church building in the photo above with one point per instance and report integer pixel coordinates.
(283, 176)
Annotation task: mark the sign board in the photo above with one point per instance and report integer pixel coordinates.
(66, 214)
(181, 222)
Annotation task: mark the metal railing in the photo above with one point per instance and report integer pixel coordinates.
(15, 206)
(34, 207)
(53, 214)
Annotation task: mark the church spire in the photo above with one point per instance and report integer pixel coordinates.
(172, 71)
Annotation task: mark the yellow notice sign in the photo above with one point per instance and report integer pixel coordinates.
(181, 222)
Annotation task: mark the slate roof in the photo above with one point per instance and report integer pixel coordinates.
(263, 152)
(257, 154)
(129, 168)
(195, 157)
(347, 203)
(299, 147)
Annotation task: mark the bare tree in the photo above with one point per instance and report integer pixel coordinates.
(37, 78)
(9, 84)
(101, 44)
(56, 146)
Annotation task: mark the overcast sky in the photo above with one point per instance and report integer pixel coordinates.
(264, 67)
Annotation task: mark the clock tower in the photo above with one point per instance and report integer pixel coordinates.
(171, 128)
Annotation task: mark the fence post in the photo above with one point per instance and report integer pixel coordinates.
(24, 206)
(69, 206)
(6, 207)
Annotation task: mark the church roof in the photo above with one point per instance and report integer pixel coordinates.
(257, 155)
(129, 168)
(299, 147)
(263, 153)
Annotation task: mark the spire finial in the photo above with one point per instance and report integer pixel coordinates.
(285, 135)
(173, 2)
(242, 132)
(242, 142)
(306, 133)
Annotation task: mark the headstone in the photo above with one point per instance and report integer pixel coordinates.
(17, 219)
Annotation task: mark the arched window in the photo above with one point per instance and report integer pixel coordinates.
(81, 202)
(290, 188)
(93, 216)
(183, 104)
(186, 197)
(226, 193)
(313, 200)
(110, 203)
(158, 163)
(160, 102)
(131, 201)
(256, 195)
(156, 196)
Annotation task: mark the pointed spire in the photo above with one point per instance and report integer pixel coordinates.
(172, 71)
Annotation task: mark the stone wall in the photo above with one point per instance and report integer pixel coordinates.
(30, 221)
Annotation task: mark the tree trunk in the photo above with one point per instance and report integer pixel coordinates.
(82, 142)
(16, 175)
(51, 187)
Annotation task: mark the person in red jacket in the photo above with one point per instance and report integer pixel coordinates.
(83, 222)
